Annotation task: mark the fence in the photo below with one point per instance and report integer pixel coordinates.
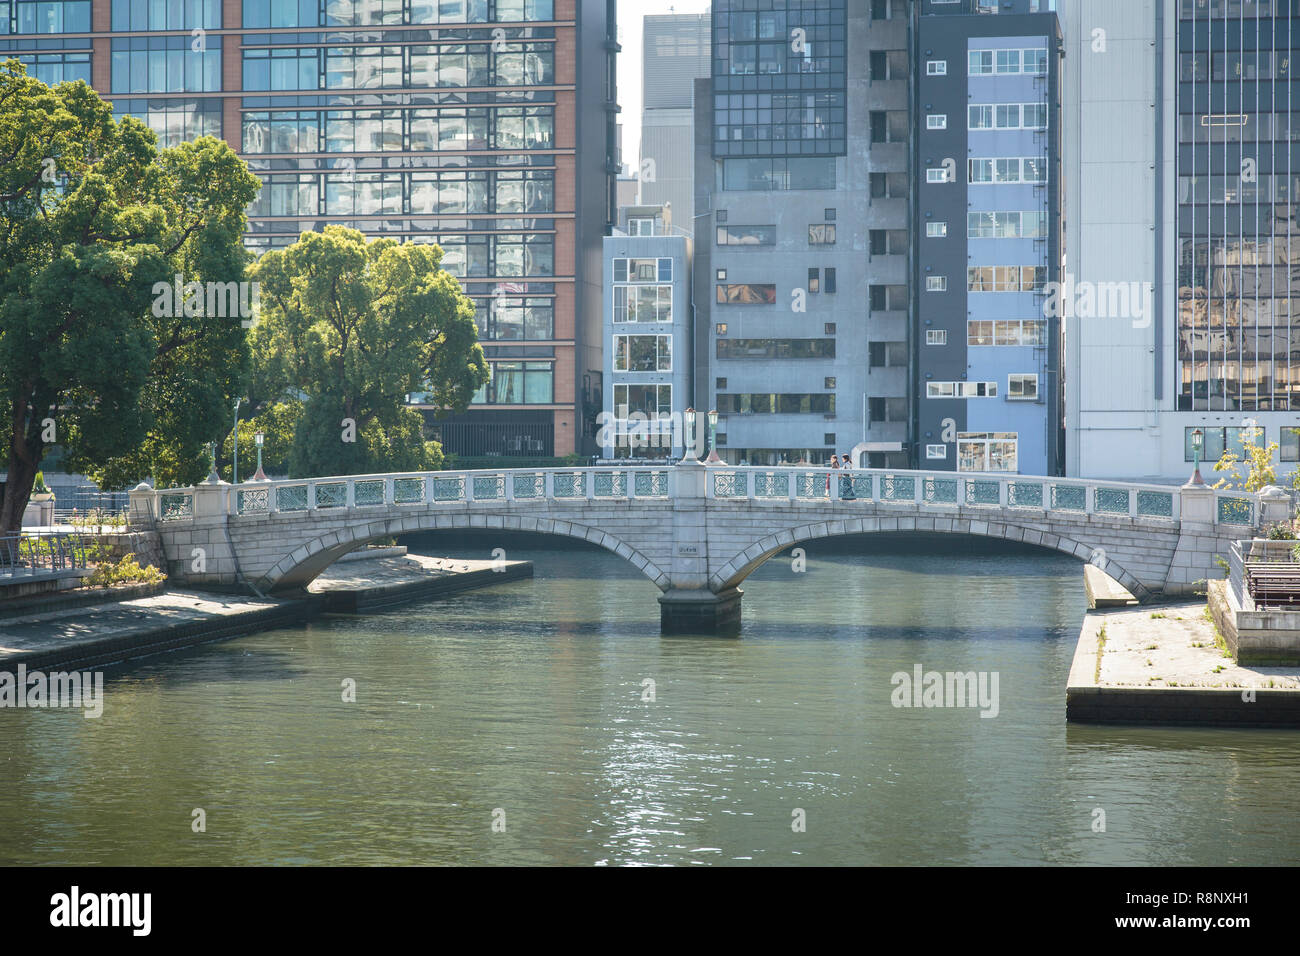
(1251, 553)
(24, 553)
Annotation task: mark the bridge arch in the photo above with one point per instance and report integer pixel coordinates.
(742, 565)
(305, 562)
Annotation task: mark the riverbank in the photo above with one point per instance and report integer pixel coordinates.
(1168, 664)
(106, 633)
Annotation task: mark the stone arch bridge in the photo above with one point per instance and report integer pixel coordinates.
(697, 532)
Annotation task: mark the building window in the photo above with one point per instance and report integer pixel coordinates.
(643, 303)
(643, 353)
(1005, 278)
(649, 401)
(719, 383)
(641, 226)
(1007, 116)
(829, 328)
(746, 235)
(721, 215)
(936, 336)
(1011, 169)
(163, 65)
(735, 349)
(985, 332)
(829, 383)
(1006, 225)
(829, 214)
(643, 270)
(986, 451)
(722, 274)
(1289, 446)
(1233, 438)
(887, 409)
(936, 121)
(814, 280)
(936, 283)
(961, 389)
(936, 452)
(886, 354)
(747, 293)
(517, 383)
(720, 328)
(936, 174)
(821, 234)
(1022, 387)
(936, 68)
(936, 230)
(830, 281)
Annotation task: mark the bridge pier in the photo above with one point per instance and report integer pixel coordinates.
(699, 611)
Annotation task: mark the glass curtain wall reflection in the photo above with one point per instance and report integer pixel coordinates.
(1238, 247)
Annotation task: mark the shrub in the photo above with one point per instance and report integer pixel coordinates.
(1282, 531)
(124, 571)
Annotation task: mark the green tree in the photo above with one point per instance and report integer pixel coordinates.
(93, 216)
(277, 421)
(352, 327)
(1258, 462)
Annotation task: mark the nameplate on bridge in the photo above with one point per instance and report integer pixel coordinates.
(687, 549)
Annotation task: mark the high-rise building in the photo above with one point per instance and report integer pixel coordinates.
(987, 242)
(675, 53)
(486, 126)
(802, 157)
(1182, 242)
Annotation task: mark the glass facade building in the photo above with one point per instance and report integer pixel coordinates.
(461, 122)
(1238, 245)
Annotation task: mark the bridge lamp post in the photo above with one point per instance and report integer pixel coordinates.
(259, 475)
(713, 458)
(688, 438)
(234, 462)
(1198, 440)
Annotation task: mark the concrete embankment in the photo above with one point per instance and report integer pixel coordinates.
(1167, 664)
(79, 636)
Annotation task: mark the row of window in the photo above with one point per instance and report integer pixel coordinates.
(45, 16)
(517, 383)
(1215, 440)
(645, 401)
(134, 16)
(346, 13)
(416, 130)
(981, 451)
(658, 269)
(1007, 116)
(763, 174)
(1006, 62)
(1234, 65)
(1008, 169)
(763, 403)
(398, 67)
(1006, 225)
(166, 65)
(819, 234)
(776, 349)
(422, 192)
(1020, 387)
(54, 68)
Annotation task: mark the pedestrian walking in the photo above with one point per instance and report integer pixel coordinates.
(846, 480)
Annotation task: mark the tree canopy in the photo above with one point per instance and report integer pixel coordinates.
(351, 326)
(94, 216)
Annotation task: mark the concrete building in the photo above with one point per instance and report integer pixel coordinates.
(647, 336)
(988, 237)
(675, 53)
(1182, 239)
(802, 156)
(486, 126)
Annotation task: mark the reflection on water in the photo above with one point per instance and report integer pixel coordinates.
(527, 698)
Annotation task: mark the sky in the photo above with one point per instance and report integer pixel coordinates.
(630, 13)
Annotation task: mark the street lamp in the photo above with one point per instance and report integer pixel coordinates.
(259, 475)
(688, 438)
(1198, 439)
(234, 462)
(713, 458)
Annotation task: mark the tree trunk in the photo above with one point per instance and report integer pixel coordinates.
(18, 491)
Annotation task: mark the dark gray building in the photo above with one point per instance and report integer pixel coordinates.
(802, 217)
